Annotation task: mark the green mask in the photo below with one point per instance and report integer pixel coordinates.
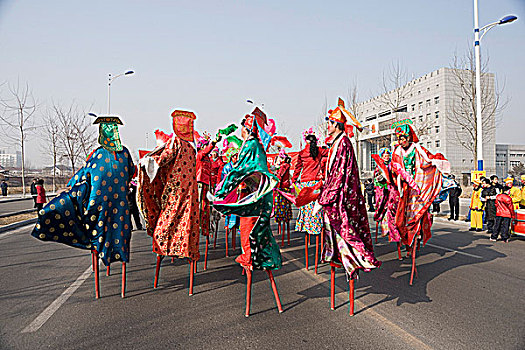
(108, 137)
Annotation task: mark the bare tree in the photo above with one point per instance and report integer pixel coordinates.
(51, 138)
(517, 170)
(463, 111)
(77, 137)
(18, 113)
(396, 87)
(320, 123)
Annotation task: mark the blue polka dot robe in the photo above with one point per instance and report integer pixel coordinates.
(94, 214)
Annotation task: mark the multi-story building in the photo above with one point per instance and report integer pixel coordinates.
(507, 157)
(437, 103)
(10, 159)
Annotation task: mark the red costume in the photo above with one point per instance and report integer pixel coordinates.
(168, 196)
(203, 179)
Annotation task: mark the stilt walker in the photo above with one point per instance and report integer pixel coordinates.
(282, 207)
(94, 214)
(251, 177)
(204, 146)
(348, 242)
(387, 198)
(308, 172)
(231, 221)
(417, 174)
(168, 172)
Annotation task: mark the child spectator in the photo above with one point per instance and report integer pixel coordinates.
(476, 208)
(504, 214)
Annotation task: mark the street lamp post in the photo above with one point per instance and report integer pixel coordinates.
(477, 39)
(110, 80)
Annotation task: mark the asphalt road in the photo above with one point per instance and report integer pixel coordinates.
(469, 295)
(11, 207)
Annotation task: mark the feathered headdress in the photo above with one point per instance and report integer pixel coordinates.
(308, 132)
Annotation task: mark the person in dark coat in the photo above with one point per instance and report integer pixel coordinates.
(133, 207)
(4, 187)
(370, 194)
(453, 199)
(34, 192)
(488, 198)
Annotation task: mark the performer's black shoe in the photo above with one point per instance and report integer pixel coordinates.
(449, 219)
(479, 230)
(472, 229)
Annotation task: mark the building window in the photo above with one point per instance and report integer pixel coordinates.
(429, 130)
(428, 103)
(437, 130)
(413, 107)
(429, 144)
(436, 100)
(428, 88)
(437, 114)
(420, 105)
(419, 92)
(421, 119)
(428, 116)
(437, 143)
(437, 85)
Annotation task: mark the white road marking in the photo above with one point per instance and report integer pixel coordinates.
(57, 303)
(456, 251)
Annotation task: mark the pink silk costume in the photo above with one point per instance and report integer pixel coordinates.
(413, 217)
(347, 240)
(169, 201)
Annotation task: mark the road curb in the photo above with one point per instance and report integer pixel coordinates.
(10, 227)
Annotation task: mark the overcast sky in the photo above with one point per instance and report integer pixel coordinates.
(210, 56)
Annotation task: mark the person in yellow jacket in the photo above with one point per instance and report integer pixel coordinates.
(515, 192)
(522, 203)
(476, 208)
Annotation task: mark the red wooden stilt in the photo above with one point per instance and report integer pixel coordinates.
(172, 259)
(157, 270)
(377, 229)
(195, 266)
(332, 287)
(107, 271)
(351, 296)
(413, 262)
(316, 252)
(306, 251)
(206, 254)
(322, 240)
(399, 257)
(226, 240)
(123, 292)
(308, 239)
(275, 292)
(248, 291)
(281, 231)
(192, 269)
(242, 273)
(97, 285)
(288, 231)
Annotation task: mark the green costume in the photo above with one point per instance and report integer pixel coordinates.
(251, 178)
